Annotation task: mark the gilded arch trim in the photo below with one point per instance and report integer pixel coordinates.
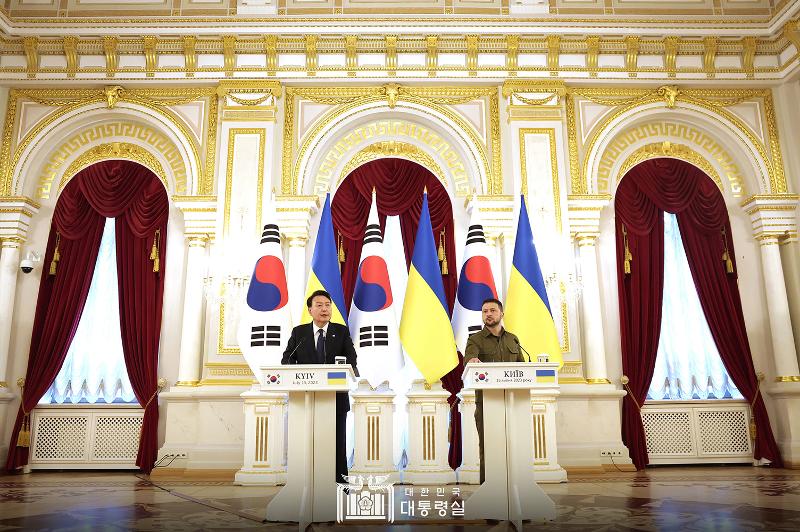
(674, 151)
(433, 98)
(399, 150)
(111, 151)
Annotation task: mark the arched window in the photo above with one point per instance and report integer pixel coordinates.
(94, 369)
(688, 365)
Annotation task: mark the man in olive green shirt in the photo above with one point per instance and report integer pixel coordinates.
(490, 344)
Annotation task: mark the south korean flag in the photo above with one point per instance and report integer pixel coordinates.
(265, 322)
(372, 320)
(475, 284)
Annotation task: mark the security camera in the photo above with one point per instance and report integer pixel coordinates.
(26, 265)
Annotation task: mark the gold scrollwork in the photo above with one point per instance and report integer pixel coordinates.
(716, 101)
(391, 148)
(157, 100)
(115, 150)
(691, 136)
(675, 151)
(155, 141)
(396, 129)
(347, 98)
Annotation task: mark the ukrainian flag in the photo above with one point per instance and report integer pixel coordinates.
(337, 377)
(527, 310)
(325, 274)
(425, 329)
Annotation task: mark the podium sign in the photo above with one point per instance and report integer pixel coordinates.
(309, 495)
(307, 378)
(510, 492)
(511, 375)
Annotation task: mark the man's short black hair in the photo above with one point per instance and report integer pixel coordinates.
(316, 293)
(493, 300)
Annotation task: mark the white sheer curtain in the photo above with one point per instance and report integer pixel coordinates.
(94, 369)
(688, 365)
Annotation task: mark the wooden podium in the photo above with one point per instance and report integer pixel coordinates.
(510, 492)
(309, 495)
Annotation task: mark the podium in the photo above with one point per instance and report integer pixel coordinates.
(509, 492)
(310, 492)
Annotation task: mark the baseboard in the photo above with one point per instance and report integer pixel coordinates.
(180, 473)
(611, 468)
(788, 464)
(598, 470)
(583, 470)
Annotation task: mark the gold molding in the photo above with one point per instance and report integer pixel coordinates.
(551, 133)
(675, 131)
(391, 148)
(433, 46)
(114, 150)
(674, 151)
(715, 101)
(153, 138)
(156, 100)
(345, 99)
(262, 146)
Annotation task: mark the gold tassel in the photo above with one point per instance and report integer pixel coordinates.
(341, 248)
(628, 254)
(441, 253)
(726, 256)
(56, 255)
(24, 436)
(154, 251)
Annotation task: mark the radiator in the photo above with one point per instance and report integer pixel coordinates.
(85, 437)
(697, 432)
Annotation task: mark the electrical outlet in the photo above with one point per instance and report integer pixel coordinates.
(610, 452)
(175, 455)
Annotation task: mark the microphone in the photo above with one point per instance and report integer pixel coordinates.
(289, 359)
(523, 349)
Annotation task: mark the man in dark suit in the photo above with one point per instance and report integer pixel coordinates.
(320, 342)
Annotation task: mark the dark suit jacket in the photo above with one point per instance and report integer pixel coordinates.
(337, 344)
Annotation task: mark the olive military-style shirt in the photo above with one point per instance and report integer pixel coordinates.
(490, 348)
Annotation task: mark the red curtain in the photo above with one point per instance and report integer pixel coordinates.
(132, 194)
(399, 185)
(649, 189)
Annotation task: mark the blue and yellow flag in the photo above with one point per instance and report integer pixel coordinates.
(425, 329)
(527, 310)
(325, 274)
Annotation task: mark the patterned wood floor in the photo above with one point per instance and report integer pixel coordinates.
(659, 499)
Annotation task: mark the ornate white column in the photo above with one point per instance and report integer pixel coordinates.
(774, 221)
(15, 217)
(294, 219)
(191, 353)
(199, 227)
(584, 222)
(9, 265)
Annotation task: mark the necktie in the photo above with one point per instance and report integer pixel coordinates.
(321, 347)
